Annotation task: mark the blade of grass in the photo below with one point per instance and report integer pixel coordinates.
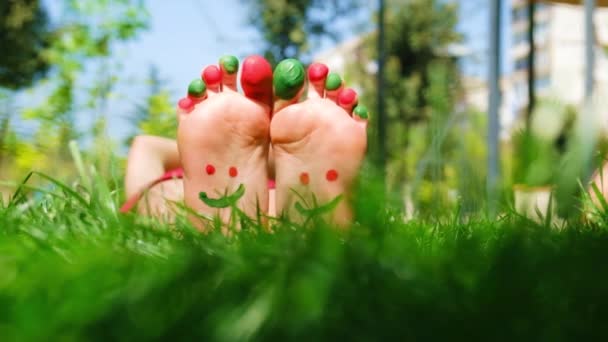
(77, 157)
(64, 187)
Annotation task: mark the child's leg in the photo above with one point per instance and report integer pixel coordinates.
(149, 159)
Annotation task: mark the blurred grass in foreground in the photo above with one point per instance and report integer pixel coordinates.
(71, 268)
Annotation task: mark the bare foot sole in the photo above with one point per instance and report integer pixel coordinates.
(319, 144)
(223, 139)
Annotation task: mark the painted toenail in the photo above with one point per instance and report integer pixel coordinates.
(347, 97)
(186, 103)
(333, 81)
(210, 169)
(304, 178)
(212, 75)
(197, 88)
(288, 78)
(361, 111)
(317, 72)
(233, 172)
(230, 64)
(331, 175)
(256, 78)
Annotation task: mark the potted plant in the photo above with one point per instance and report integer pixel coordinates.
(537, 156)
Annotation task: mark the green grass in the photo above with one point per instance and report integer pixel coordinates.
(72, 268)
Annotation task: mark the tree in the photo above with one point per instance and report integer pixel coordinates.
(531, 62)
(156, 115)
(78, 44)
(24, 34)
(288, 26)
(421, 87)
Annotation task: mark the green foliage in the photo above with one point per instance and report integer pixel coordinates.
(161, 119)
(421, 89)
(287, 26)
(76, 270)
(156, 115)
(24, 34)
(539, 150)
(578, 158)
(536, 160)
(84, 39)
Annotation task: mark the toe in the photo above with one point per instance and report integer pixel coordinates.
(184, 107)
(333, 86)
(229, 66)
(256, 79)
(288, 82)
(317, 73)
(185, 104)
(213, 79)
(361, 114)
(197, 91)
(347, 99)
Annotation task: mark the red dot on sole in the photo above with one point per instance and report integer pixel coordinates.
(304, 178)
(210, 169)
(331, 175)
(232, 171)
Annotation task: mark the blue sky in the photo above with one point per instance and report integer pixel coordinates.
(172, 24)
(221, 28)
(186, 35)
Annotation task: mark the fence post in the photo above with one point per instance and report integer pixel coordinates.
(589, 47)
(493, 107)
(380, 91)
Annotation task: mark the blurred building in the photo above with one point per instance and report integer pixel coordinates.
(559, 60)
(560, 51)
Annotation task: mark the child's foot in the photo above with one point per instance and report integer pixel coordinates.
(318, 144)
(223, 138)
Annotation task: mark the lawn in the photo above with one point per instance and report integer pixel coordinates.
(72, 268)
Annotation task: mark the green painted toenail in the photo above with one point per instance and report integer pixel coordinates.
(361, 111)
(288, 78)
(333, 81)
(230, 64)
(197, 88)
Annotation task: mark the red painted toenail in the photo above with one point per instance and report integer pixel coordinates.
(232, 171)
(256, 79)
(331, 175)
(210, 169)
(304, 178)
(186, 103)
(212, 75)
(317, 72)
(347, 97)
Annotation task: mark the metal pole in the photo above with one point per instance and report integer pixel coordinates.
(531, 64)
(589, 44)
(380, 92)
(493, 106)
